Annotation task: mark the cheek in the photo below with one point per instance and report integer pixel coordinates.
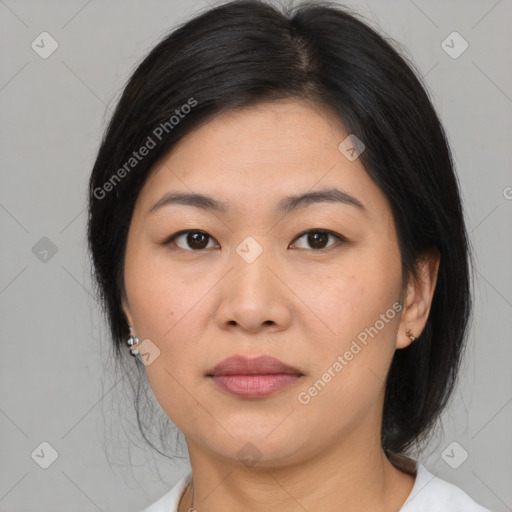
(359, 313)
(164, 306)
(352, 296)
(159, 296)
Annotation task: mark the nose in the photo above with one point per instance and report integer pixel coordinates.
(253, 296)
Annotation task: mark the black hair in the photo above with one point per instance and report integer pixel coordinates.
(244, 52)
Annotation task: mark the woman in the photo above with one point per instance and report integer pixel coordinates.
(277, 235)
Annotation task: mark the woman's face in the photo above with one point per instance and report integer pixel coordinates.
(248, 282)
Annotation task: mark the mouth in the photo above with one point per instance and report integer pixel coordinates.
(253, 377)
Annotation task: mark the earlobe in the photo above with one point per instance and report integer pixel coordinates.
(129, 320)
(420, 292)
(126, 311)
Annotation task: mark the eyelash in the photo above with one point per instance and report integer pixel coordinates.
(338, 237)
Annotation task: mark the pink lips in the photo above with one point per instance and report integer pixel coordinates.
(253, 378)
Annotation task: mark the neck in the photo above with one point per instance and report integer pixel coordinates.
(357, 476)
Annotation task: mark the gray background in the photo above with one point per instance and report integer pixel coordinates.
(55, 374)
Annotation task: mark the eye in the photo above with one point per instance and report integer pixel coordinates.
(318, 238)
(194, 239)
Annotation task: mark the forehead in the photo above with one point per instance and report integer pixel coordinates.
(255, 156)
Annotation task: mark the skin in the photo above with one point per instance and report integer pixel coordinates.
(299, 303)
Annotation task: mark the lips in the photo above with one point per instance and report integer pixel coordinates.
(263, 365)
(253, 377)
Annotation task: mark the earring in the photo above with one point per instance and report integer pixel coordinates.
(133, 340)
(409, 335)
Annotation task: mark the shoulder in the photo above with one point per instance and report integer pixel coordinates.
(169, 501)
(432, 494)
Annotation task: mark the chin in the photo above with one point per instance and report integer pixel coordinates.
(262, 443)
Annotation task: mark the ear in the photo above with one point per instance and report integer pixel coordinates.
(418, 297)
(126, 310)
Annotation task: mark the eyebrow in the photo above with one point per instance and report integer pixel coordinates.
(286, 205)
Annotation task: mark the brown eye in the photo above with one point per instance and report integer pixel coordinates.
(191, 240)
(318, 239)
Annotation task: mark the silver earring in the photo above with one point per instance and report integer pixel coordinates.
(133, 340)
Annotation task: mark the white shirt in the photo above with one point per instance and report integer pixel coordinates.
(429, 494)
